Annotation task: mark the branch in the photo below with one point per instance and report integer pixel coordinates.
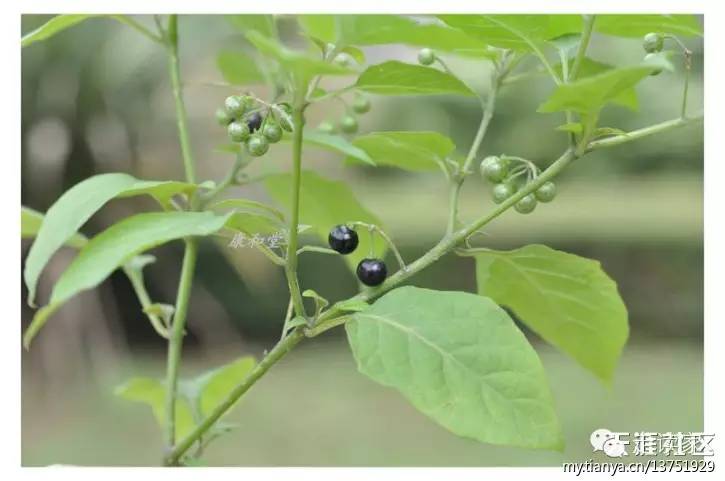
(644, 132)
(277, 353)
(291, 257)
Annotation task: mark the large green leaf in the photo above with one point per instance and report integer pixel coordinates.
(414, 151)
(59, 23)
(639, 25)
(335, 143)
(588, 95)
(325, 203)
(30, 222)
(517, 32)
(205, 392)
(460, 359)
(303, 67)
(588, 68)
(152, 393)
(398, 78)
(78, 204)
(115, 246)
(238, 68)
(53, 26)
(387, 29)
(568, 300)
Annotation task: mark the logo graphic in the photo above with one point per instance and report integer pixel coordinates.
(608, 442)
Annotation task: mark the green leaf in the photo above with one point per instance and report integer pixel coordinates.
(588, 67)
(391, 29)
(568, 300)
(461, 360)
(238, 68)
(252, 223)
(335, 143)
(152, 393)
(589, 94)
(59, 23)
(115, 246)
(246, 204)
(398, 78)
(301, 66)
(78, 204)
(517, 32)
(640, 25)
(53, 26)
(30, 222)
(263, 24)
(414, 151)
(324, 204)
(213, 387)
(320, 302)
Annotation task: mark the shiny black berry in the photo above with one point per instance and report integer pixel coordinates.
(342, 239)
(254, 121)
(372, 272)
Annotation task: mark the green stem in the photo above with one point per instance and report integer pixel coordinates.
(298, 118)
(457, 180)
(173, 359)
(191, 250)
(688, 67)
(142, 294)
(181, 119)
(583, 44)
(277, 353)
(640, 133)
(320, 250)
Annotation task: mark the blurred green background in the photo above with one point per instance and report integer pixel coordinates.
(97, 99)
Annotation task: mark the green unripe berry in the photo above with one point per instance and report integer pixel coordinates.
(526, 204)
(222, 117)
(494, 169)
(426, 56)
(361, 105)
(546, 192)
(343, 60)
(272, 132)
(238, 131)
(348, 124)
(649, 58)
(501, 192)
(257, 145)
(326, 127)
(235, 106)
(653, 42)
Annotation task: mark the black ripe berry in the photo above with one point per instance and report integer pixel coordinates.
(342, 239)
(371, 272)
(254, 121)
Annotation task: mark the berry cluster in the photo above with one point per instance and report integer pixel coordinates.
(371, 272)
(505, 174)
(252, 123)
(348, 123)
